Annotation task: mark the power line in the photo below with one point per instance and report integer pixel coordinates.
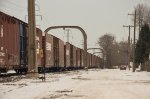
(17, 5)
(68, 34)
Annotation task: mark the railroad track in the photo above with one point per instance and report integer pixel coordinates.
(10, 77)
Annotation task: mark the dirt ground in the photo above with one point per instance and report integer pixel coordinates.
(92, 84)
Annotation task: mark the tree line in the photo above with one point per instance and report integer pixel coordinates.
(117, 53)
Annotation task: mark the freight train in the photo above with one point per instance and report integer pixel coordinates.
(57, 54)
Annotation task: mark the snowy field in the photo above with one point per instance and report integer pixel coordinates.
(92, 84)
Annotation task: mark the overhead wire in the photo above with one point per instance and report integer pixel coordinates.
(12, 8)
(17, 5)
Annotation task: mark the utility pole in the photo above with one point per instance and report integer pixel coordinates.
(134, 68)
(134, 42)
(82, 43)
(68, 31)
(32, 68)
(129, 44)
(68, 35)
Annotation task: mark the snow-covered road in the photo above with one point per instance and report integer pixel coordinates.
(92, 84)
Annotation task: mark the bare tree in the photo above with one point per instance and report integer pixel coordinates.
(143, 15)
(106, 41)
(116, 53)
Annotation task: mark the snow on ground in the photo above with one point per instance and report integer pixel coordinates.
(92, 84)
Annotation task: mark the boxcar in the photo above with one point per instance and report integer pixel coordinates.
(74, 57)
(70, 56)
(47, 43)
(22, 47)
(96, 62)
(38, 47)
(78, 58)
(53, 53)
(99, 62)
(13, 44)
(61, 55)
(81, 58)
(88, 60)
(9, 43)
(92, 60)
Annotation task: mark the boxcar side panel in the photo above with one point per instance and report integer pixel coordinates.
(38, 46)
(61, 53)
(10, 37)
(23, 44)
(49, 51)
(74, 57)
(56, 51)
(81, 57)
(88, 60)
(78, 57)
(2, 53)
(67, 52)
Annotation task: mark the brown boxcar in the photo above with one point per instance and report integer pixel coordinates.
(98, 62)
(13, 44)
(67, 55)
(95, 61)
(88, 59)
(24, 47)
(9, 47)
(78, 58)
(74, 57)
(47, 43)
(70, 56)
(61, 55)
(38, 47)
(92, 63)
(81, 58)
(53, 53)
(56, 52)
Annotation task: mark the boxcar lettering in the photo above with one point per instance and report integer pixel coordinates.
(2, 31)
(2, 54)
(48, 46)
(2, 48)
(1, 60)
(37, 38)
(67, 52)
(38, 48)
(37, 51)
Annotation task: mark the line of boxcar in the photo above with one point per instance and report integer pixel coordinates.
(57, 55)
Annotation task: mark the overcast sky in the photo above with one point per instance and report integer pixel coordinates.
(96, 17)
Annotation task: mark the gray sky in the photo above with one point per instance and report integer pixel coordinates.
(96, 17)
